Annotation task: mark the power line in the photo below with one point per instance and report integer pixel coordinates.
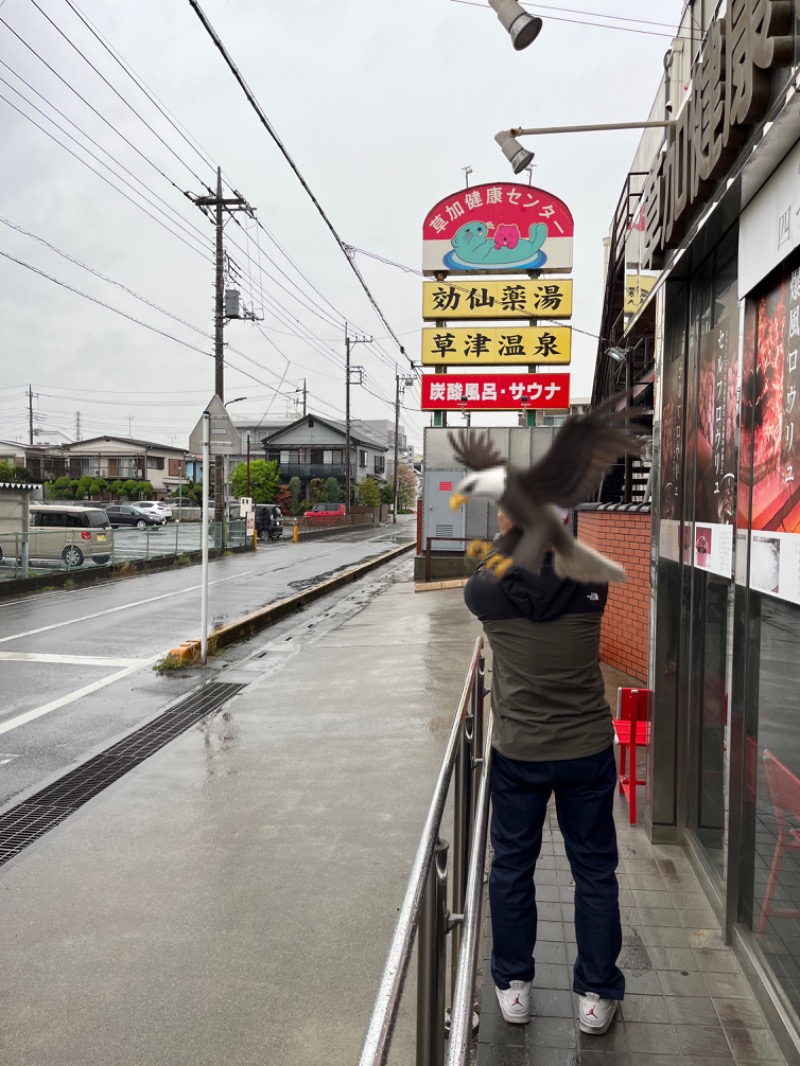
(116, 188)
(101, 303)
(584, 22)
(93, 109)
(117, 57)
(270, 129)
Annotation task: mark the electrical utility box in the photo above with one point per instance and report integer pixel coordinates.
(521, 445)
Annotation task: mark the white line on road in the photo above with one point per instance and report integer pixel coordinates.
(70, 660)
(62, 701)
(122, 607)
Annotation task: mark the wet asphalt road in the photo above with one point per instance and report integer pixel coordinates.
(77, 666)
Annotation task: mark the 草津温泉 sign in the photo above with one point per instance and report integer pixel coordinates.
(730, 93)
(496, 299)
(494, 392)
(497, 346)
(501, 228)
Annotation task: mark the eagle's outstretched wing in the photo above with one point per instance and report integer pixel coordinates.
(583, 450)
(475, 450)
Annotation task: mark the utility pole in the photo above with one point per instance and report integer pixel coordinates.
(305, 397)
(77, 425)
(400, 388)
(30, 414)
(348, 341)
(219, 204)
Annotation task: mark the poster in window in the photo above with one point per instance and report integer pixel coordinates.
(770, 435)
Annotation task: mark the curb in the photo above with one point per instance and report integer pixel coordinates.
(188, 652)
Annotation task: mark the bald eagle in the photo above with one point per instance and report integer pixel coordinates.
(584, 448)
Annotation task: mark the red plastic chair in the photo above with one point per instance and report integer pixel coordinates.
(784, 791)
(633, 731)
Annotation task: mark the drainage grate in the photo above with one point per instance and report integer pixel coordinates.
(33, 817)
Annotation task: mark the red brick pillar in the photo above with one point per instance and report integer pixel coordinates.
(624, 536)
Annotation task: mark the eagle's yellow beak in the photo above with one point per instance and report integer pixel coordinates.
(458, 500)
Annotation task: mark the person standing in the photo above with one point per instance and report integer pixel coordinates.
(553, 735)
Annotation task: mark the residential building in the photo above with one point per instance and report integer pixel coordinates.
(121, 458)
(314, 447)
(558, 418)
(44, 463)
(701, 320)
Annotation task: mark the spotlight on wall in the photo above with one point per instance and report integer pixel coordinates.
(618, 355)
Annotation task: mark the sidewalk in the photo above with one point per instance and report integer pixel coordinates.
(231, 900)
(686, 1001)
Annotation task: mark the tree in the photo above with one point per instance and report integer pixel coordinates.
(296, 489)
(369, 495)
(315, 490)
(264, 480)
(333, 491)
(283, 498)
(129, 489)
(406, 488)
(98, 487)
(82, 487)
(59, 489)
(145, 489)
(387, 493)
(9, 472)
(115, 488)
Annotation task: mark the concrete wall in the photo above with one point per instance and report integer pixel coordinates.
(624, 536)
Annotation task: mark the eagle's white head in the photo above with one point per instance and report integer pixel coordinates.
(490, 483)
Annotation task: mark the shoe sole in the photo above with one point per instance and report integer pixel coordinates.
(598, 1030)
(513, 1019)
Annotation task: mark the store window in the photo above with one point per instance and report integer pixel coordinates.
(770, 586)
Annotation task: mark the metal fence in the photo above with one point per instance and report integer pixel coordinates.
(43, 550)
(424, 916)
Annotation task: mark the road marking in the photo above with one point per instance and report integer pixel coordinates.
(62, 701)
(122, 607)
(72, 660)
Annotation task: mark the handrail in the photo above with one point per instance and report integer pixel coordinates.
(464, 984)
(377, 1040)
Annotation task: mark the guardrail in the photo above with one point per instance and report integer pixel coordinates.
(424, 914)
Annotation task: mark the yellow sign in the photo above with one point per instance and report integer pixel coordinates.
(496, 299)
(497, 346)
(637, 289)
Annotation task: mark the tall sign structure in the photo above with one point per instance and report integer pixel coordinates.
(469, 238)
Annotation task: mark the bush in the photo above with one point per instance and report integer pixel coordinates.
(369, 495)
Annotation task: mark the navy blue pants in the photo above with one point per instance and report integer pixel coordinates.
(584, 791)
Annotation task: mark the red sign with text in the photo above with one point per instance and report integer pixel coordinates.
(494, 392)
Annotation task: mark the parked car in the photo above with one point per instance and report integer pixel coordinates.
(180, 503)
(268, 521)
(125, 514)
(327, 510)
(155, 507)
(70, 532)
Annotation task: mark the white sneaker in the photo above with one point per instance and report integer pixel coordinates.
(515, 1001)
(595, 1015)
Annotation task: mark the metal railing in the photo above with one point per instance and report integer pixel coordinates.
(43, 550)
(424, 914)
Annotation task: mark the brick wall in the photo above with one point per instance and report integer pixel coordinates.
(623, 536)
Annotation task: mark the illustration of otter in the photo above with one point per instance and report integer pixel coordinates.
(472, 245)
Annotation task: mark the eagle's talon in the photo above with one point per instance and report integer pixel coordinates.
(499, 564)
(478, 549)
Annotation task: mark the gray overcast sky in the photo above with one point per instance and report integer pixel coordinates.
(380, 103)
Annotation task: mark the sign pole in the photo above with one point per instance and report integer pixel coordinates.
(204, 538)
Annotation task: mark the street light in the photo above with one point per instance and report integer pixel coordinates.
(523, 29)
(519, 157)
